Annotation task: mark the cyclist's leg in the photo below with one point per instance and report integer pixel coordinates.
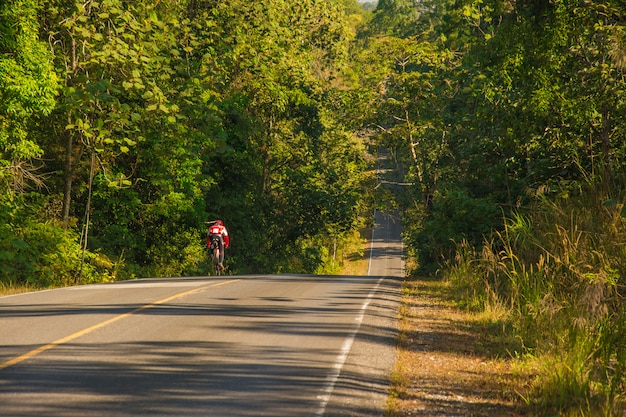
(221, 243)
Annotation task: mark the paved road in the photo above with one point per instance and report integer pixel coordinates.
(273, 345)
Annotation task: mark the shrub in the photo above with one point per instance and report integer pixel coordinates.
(456, 217)
(38, 254)
(559, 270)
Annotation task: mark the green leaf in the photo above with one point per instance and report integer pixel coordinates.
(18, 243)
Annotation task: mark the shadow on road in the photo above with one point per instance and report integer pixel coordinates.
(240, 350)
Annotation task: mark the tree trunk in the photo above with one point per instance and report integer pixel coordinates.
(67, 189)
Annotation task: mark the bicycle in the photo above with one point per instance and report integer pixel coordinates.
(218, 242)
(215, 256)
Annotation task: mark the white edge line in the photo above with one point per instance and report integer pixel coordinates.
(331, 380)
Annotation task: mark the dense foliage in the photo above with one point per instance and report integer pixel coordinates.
(508, 118)
(124, 126)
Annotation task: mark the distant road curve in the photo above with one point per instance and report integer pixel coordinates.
(255, 345)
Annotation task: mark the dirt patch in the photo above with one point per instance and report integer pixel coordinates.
(449, 364)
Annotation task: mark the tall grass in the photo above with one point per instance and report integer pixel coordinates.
(557, 270)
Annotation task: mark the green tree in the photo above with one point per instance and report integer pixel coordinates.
(27, 88)
(172, 113)
(126, 72)
(277, 65)
(28, 85)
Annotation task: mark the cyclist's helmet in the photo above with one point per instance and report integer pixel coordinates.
(219, 223)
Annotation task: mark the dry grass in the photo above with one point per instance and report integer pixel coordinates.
(451, 362)
(10, 288)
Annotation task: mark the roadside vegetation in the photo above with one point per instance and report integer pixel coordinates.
(508, 119)
(124, 126)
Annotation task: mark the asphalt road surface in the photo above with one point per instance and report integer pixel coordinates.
(267, 345)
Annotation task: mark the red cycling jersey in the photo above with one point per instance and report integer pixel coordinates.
(218, 229)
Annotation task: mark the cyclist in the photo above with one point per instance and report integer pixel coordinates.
(219, 232)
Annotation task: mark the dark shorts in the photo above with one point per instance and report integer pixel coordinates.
(219, 239)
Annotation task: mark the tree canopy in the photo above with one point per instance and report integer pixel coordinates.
(125, 126)
(490, 100)
(508, 119)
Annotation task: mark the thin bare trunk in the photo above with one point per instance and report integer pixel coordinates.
(87, 211)
(69, 149)
(427, 189)
(67, 189)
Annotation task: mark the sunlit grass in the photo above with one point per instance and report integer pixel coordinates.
(553, 279)
(11, 288)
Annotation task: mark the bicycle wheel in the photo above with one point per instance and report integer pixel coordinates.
(215, 258)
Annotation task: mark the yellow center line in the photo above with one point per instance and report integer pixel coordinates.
(83, 332)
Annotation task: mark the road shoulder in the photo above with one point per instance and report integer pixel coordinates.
(362, 387)
(448, 362)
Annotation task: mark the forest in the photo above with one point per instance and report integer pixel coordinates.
(125, 126)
